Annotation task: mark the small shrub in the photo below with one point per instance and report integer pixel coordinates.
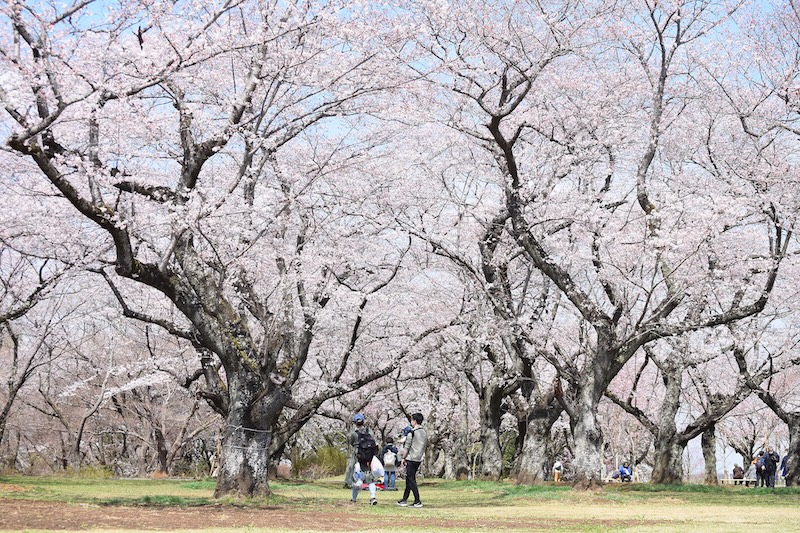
(90, 472)
(326, 461)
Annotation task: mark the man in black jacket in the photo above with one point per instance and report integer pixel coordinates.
(771, 460)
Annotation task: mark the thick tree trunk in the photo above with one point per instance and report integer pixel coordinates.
(668, 461)
(533, 458)
(588, 440)
(438, 467)
(4, 419)
(793, 463)
(161, 451)
(244, 465)
(709, 444)
(491, 451)
(668, 447)
(247, 435)
(75, 458)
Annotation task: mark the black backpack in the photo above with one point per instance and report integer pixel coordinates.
(366, 448)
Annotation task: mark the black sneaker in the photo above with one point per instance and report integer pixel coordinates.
(402, 503)
(373, 501)
(416, 504)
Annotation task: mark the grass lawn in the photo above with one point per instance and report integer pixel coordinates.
(180, 505)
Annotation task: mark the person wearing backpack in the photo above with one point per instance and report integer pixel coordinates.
(412, 455)
(358, 438)
(389, 459)
(761, 473)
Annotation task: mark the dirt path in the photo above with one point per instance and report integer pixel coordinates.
(26, 514)
(18, 515)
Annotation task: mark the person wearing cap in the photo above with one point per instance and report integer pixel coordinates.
(413, 453)
(352, 445)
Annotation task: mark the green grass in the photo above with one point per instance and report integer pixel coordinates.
(499, 504)
(104, 490)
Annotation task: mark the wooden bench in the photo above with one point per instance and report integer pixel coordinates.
(745, 481)
(751, 482)
(610, 479)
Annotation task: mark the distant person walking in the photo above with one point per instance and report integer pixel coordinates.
(412, 455)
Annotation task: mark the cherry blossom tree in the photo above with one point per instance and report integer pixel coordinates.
(699, 387)
(19, 346)
(230, 101)
(305, 195)
(771, 372)
(603, 198)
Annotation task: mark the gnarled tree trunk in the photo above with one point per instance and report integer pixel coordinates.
(793, 462)
(534, 458)
(668, 446)
(588, 437)
(668, 461)
(709, 444)
(491, 451)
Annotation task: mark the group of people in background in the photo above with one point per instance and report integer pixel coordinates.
(766, 465)
(365, 465)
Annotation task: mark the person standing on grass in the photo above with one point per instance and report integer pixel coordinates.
(738, 475)
(352, 448)
(557, 468)
(412, 455)
(363, 475)
(784, 465)
(771, 460)
(761, 476)
(389, 458)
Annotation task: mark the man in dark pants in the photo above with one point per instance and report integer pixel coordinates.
(771, 460)
(413, 453)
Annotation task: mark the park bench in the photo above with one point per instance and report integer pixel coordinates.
(748, 481)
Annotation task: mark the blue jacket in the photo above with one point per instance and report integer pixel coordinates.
(625, 471)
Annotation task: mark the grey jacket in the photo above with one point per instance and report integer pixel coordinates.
(415, 444)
